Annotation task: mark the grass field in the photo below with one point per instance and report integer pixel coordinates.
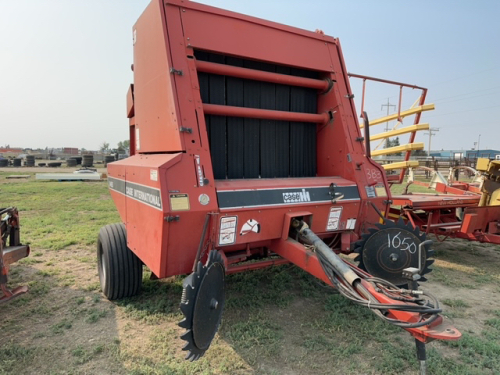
(277, 321)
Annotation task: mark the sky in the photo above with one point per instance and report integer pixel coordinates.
(65, 64)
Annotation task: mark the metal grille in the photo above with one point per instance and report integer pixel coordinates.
(249, 147)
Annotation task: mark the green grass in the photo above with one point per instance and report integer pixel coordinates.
(11, 355)
(55, 215)
(95, 314)
(278, 320)
(61, 327)
(399, 188)
(457, 303)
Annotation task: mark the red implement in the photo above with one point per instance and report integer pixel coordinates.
(239, 127)
(11, 250)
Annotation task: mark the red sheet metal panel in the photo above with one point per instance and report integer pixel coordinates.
(485, 220)
(137, 185)
(154, 92)
(428, 201)
(234, 34)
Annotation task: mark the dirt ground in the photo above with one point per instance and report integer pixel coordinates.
(70, 328)
(276, 321)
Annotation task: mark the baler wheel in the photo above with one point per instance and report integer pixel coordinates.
(385, 252)
(202, 304)
(120, 270)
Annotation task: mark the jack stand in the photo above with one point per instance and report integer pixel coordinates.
(421, 356)
(412, 274)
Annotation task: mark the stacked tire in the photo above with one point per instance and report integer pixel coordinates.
(78, 159)
(88, 161)
(30, 160)
(108, 159)
(71, 163)
(4, 163)
(17, 162)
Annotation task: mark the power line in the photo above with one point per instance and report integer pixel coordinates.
(450, 80)
(467, 110)
(462, 77)
(466, 124)
(466, 98)
(467, 93)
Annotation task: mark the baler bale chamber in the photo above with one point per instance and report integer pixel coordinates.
(244, 137)
(263, 148)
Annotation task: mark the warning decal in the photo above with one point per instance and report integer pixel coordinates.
(370, 191)
(227, 230)
(334, 218)
(351, 223)
(179, 202)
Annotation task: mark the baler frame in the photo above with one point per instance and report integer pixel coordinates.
(244, 142)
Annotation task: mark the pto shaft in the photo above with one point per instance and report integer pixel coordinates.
(337, 263)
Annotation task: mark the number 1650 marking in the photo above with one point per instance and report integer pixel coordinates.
(401, 244)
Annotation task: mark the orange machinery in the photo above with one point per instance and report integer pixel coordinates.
(245, 146)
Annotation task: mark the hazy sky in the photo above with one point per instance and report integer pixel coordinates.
(65, 65)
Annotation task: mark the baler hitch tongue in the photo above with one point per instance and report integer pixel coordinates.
(414, 310)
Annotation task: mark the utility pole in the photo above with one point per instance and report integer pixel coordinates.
(388, 105)
(478, 139)
(431, 133)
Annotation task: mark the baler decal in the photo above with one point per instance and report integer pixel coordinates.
(227, 230)
(296, 197)
(179, 202)
(230, 199)
(249, 227)
(141, 193)
(370, 192)
(334, 218)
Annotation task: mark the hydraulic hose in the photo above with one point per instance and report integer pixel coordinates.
(349, 284)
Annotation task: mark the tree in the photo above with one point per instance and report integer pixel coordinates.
(419, 153)
(393, 143)
(387, 143)
(123, 145)
(104, 146)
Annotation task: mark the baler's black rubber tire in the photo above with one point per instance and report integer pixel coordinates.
(120, 270)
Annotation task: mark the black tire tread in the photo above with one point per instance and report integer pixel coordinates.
(124, 269)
